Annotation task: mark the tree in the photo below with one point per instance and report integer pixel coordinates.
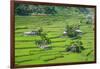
(44, 39)
(71, 30)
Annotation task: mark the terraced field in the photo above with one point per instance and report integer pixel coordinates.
(28, 53)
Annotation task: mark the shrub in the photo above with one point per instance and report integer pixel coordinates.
(75, 46)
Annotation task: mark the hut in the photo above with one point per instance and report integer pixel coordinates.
(65, 33)
(31, 33)
(79, 31)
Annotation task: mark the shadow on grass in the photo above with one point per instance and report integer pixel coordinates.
(25, 40)
(26, 47)
(58, 41)
(19, 28)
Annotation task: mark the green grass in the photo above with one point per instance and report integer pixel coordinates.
(26, 51)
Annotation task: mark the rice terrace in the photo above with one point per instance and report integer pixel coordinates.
(47, 34)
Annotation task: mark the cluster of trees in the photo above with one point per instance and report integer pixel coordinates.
(22, 9)
(26, 9)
